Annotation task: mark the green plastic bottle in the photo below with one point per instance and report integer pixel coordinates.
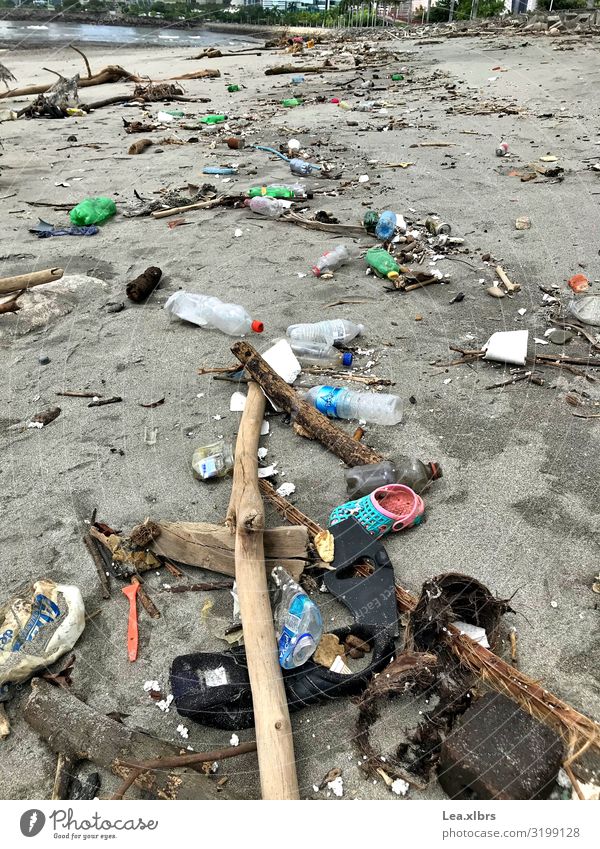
(234, 87)
(290, 102)
(397, 77)
(213, 119)
(370, 221)
(282, 192)
(92, 211)
(382, 263)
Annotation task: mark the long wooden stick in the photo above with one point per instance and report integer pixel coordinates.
(176, 210)
(27, 281)
(274, 740)
(579, 730)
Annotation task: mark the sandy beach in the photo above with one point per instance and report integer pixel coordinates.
(517, 506)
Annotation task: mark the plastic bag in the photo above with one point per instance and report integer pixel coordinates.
(39, 624)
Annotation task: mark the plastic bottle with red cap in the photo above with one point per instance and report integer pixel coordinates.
(211, 313)
(331, 260)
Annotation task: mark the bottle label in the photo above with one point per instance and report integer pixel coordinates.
(210, 467)
(286, 644)
(326, 400)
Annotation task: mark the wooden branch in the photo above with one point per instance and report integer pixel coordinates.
(11, 305)
(211, 73)
(145, 600)
(110, 74)
(85, 58)
(287, 510)
(72, 728)
(579, 730)
(62, 777)
(337, 441)
(299, 69)
(212, 547)
(274, 740)
(90, 543)
(193, 761)
(27, 281)
(177, 210)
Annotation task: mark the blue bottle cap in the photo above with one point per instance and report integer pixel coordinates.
(347, 359)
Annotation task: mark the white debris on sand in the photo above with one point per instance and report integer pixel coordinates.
(336, 786)
(181, 729)
(235, 740)
(286, 489)
(400, 787)
(165, 704)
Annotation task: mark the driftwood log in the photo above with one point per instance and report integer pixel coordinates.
(78, 732)
(340, 443)
(27, 281)
(210, 73)
(212, 547)
(110, 74)
(299, 69)
(274, 740)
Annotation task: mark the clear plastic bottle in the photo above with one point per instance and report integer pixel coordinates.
(362, 480)
(269, 207)
(210, 312)
(333, 331)
(340, 403)
(365, 106)
(319, 353)
(298, 621)
(212, 461)
(331, 260)
(586, 308)
(301, 168)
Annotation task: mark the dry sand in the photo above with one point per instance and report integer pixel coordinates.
(517, 507)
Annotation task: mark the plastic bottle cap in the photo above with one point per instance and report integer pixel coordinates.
(347, 359)
(392, 275)
(316, 271)
(257, 326)
(305, 646)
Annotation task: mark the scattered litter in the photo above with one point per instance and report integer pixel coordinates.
(235, 740)
(286, 489)
(507, 346)
(237, 402)
(181, 729)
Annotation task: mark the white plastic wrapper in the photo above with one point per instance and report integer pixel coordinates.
(38, 625)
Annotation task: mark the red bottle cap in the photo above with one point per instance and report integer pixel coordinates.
(257, 326)
(316, 271)
(334, 100)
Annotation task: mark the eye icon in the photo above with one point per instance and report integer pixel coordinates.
(32, 822)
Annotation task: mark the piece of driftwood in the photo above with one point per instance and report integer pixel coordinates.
(300, 69)
(274, 739)
(63, 776)
(337, 441)
(91, 545)
(177, 210)
(194, 761)
(77, 731)
(11, 305)
(28, 281)
(110, 74)
(579, 731)
(210, 73)
(212, 547)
